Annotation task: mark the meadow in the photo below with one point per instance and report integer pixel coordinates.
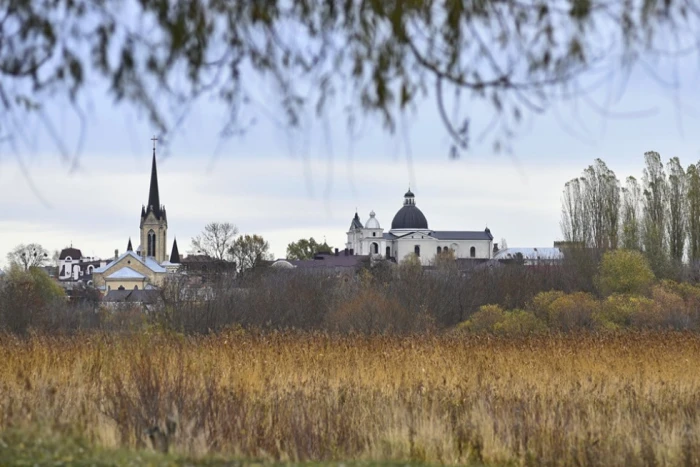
(451, 398)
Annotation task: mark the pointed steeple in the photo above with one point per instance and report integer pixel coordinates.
(129, 247)
(153, 195)
(175, 254)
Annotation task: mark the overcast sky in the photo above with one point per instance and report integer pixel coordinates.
(286, 184)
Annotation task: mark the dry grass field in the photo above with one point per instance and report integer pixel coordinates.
(625, 399)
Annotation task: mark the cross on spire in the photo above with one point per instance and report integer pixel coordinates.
(154, 139)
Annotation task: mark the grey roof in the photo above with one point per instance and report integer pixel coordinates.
(132, 296)
(126, 273)
(356, 224)
(389, 236)
(409, 217)
(462, 235)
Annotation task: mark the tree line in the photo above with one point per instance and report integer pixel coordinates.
(659, 216)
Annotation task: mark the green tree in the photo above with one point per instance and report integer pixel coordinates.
(591, 208)
(693, 175)
(306, 249)
(624, 272)
(28, 256)
(631, 201)
(248, 251)
(676, 208)
(26, 297)
(516, 56)
(655, 219)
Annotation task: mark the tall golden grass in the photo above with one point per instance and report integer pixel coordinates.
(627, 399)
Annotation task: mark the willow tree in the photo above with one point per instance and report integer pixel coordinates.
(375, 57)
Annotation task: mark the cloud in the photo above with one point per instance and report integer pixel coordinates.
(98, 208)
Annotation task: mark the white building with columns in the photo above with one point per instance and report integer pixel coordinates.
(410, 234)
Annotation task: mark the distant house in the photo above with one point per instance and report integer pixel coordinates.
(325, 263)
(146, 298)
(74, 269)
(530, 256)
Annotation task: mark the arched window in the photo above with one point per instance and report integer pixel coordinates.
(121, 287)
(90, 269)
(388, 252)
(374, 234)
(472, 252)
(375, 248)
(151, 246)
(136, 287)
(416, 250)
(439, 250)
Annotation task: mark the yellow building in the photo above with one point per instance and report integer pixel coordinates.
(149, 265)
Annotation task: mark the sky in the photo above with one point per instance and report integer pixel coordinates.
(287, 184)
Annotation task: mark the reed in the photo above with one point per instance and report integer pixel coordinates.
(618, 399)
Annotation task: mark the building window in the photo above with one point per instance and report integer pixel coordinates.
(472, 252)
(151, 249)
(439, 250)
(416, 250)
(374, 234)
(90, 269)
(375, 248)
(388, 252)
(136, 287)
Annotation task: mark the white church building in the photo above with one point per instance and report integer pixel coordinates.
(410, 234)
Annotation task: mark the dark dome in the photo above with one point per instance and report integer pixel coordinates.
(409, 217)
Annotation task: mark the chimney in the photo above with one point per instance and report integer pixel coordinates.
(336, 252)
(116, 254)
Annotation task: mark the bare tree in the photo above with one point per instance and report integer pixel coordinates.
(631, 202)
(27, 256)
(216, 239)
(676, 208)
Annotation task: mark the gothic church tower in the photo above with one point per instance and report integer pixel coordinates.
(154, 221)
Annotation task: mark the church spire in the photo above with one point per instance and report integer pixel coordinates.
(129, 247)
(153, 195)
(175, 254)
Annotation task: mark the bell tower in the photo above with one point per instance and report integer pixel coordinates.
(154, 221)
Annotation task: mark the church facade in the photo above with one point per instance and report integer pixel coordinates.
(149, 265)
(410, 235)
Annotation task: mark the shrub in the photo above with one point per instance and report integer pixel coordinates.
(540, 303)
(519, 323)
(485, 319)
(618, 310)
(624, 272)
(373, 312)
(572, 312)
